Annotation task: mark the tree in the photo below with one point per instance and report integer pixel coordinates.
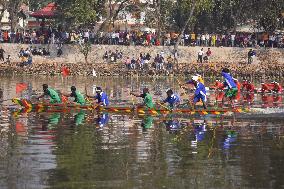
(184, 14)
(3, 5)
(113, 9)
(85, 49)
(13, 9)
(37, 4)
(77, 12)
(266, 14)
(159, 15)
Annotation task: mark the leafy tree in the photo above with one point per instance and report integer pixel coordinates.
(78, 12)
(37, 4)
(184, 14)
(266, 14)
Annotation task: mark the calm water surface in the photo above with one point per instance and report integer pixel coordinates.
(87, 150)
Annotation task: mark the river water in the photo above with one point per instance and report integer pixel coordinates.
(87, 150)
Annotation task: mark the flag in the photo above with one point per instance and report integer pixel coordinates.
(65, 71)
(20, 87)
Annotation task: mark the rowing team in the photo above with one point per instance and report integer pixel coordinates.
(249, 87)
(172, 99)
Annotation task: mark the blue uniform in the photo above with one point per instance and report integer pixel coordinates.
(172, 100)
(200, 132)
(102, 97)
(229, 81)
(103, 120)
(173, 125)
(200, 93)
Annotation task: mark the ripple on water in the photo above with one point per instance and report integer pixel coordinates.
(85, 150)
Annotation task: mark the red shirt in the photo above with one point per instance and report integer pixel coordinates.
(208, 53)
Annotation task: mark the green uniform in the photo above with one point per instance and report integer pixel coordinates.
(147, 122)
(54, 96)
(53, 120)
(231, 92)
(79, 117)
(79, 98)
(148, 102)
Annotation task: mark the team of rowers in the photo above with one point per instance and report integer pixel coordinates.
(230, 84)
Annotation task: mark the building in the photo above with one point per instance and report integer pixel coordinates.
(5, 23)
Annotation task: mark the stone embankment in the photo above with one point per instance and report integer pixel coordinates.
(268, 63)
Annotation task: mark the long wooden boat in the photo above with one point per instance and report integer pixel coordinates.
(28, 106)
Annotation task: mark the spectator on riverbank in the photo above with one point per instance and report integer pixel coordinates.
(8, 59)
(200, 55)
(2, 51)
(250, 56)
(170, 63)
(143, 38)
(127, 63)
(208, 55)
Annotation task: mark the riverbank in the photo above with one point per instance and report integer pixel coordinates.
(72, 54)
(269, 63)
(262, 71)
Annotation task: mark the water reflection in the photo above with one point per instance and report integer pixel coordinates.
(106, 150)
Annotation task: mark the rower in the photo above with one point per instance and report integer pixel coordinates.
(200, 79)
(147, 98)
(230, 83)
(172, 99)
(277, 88)
(79, 98)
(265, 88)
(101, 96)
(218, 85)
(200, 92)
(248, 86)
(53, 95)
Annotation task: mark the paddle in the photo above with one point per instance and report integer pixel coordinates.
(163, 106)
(87, 98)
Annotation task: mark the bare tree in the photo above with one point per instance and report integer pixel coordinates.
(13, 9)
(3, 7)
(114, 9)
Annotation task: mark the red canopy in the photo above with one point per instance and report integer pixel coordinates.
(46, 12)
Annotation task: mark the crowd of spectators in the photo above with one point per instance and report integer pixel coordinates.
(112, 56)
(146, 38)
(26, 56)
(146, 62)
